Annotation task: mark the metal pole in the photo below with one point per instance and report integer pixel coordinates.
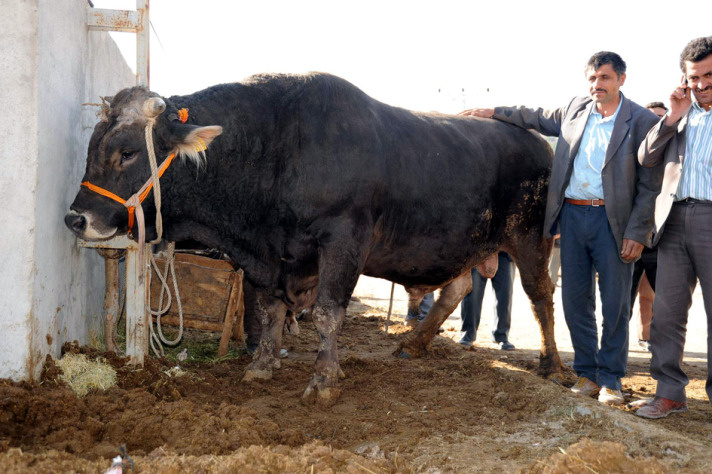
(390, 307)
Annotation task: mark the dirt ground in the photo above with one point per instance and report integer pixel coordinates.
(455, 410)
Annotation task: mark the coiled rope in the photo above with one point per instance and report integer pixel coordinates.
(157, 338)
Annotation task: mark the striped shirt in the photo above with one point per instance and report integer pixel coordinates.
(696, 178)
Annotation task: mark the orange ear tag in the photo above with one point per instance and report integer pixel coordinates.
(183, 115)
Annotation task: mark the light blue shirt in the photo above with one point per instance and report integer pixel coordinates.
(696, 178)
(586, 182)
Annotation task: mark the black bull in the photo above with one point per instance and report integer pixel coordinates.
(311, 183)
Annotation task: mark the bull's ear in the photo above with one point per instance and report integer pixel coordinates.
(196, 141)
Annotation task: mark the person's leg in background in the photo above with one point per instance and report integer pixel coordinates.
(503, 286)
(471, 309)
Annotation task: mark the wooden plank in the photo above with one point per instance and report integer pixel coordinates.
(111, 299)
(204, 285)
(211, 296)
(238, 332)
(231, 313)
(172, 320)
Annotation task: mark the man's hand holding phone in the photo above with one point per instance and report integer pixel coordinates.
(680, 102)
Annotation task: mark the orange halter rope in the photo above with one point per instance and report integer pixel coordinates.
(136, 200)
(140, 195)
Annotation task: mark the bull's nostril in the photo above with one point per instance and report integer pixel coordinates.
(77, 223)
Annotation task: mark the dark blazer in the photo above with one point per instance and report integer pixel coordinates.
(665, 144)
(628, 189)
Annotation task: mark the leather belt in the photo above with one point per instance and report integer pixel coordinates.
(692, 201)
(586, 202)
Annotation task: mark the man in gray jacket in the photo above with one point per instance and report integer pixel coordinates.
(601, 202)
(681, 144)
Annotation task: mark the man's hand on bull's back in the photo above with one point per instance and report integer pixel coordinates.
(484, 113)
(631, 249)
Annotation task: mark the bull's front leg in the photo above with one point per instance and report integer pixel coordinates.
(271, 312)
(324, 385)
(342, 254)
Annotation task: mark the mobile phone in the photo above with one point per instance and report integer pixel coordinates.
(684, 81)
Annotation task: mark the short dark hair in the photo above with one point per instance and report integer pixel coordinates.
(607, 57)
(655, 105)
(696, 50)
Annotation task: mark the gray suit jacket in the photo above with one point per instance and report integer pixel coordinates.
(665, 144)
(628, 189)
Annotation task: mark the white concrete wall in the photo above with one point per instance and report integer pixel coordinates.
(51, 291)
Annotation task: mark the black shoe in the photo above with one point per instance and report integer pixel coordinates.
(506, 346)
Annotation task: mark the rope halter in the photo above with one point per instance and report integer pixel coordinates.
(134, 202)
(152, 108)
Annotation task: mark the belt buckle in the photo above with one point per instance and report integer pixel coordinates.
(593, 204)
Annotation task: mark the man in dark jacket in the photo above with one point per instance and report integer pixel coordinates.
(681, 146)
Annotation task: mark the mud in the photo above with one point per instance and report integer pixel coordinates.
(455, 410)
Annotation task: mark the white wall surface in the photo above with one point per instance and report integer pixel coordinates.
(51, 291)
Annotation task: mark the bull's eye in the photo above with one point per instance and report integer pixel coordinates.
(127, 157)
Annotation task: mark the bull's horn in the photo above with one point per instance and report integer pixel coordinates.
(153, 107)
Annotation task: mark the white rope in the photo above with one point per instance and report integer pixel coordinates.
(156, 179)
(157, 335)
(157, 339)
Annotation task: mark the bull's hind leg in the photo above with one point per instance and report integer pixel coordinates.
(417, 342)
(532, 258)
(271, 313)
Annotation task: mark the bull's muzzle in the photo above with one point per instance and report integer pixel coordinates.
(77, 223)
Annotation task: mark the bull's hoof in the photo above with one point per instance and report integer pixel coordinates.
(257, 374)
(321, 395)
(551, 368)
(408, 350)
(557, 378)
(402, 354)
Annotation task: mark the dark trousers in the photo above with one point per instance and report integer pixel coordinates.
(587, 247)
(471, 307)
(684, 255)
(648, 265)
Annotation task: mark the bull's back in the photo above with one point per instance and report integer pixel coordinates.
(361, 145)
(440, 189)
(436, 190)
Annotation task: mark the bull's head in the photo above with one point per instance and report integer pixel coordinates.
(117, 159)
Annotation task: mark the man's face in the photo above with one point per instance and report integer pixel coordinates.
(699, 79)
(604, 84)
(659, 111)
